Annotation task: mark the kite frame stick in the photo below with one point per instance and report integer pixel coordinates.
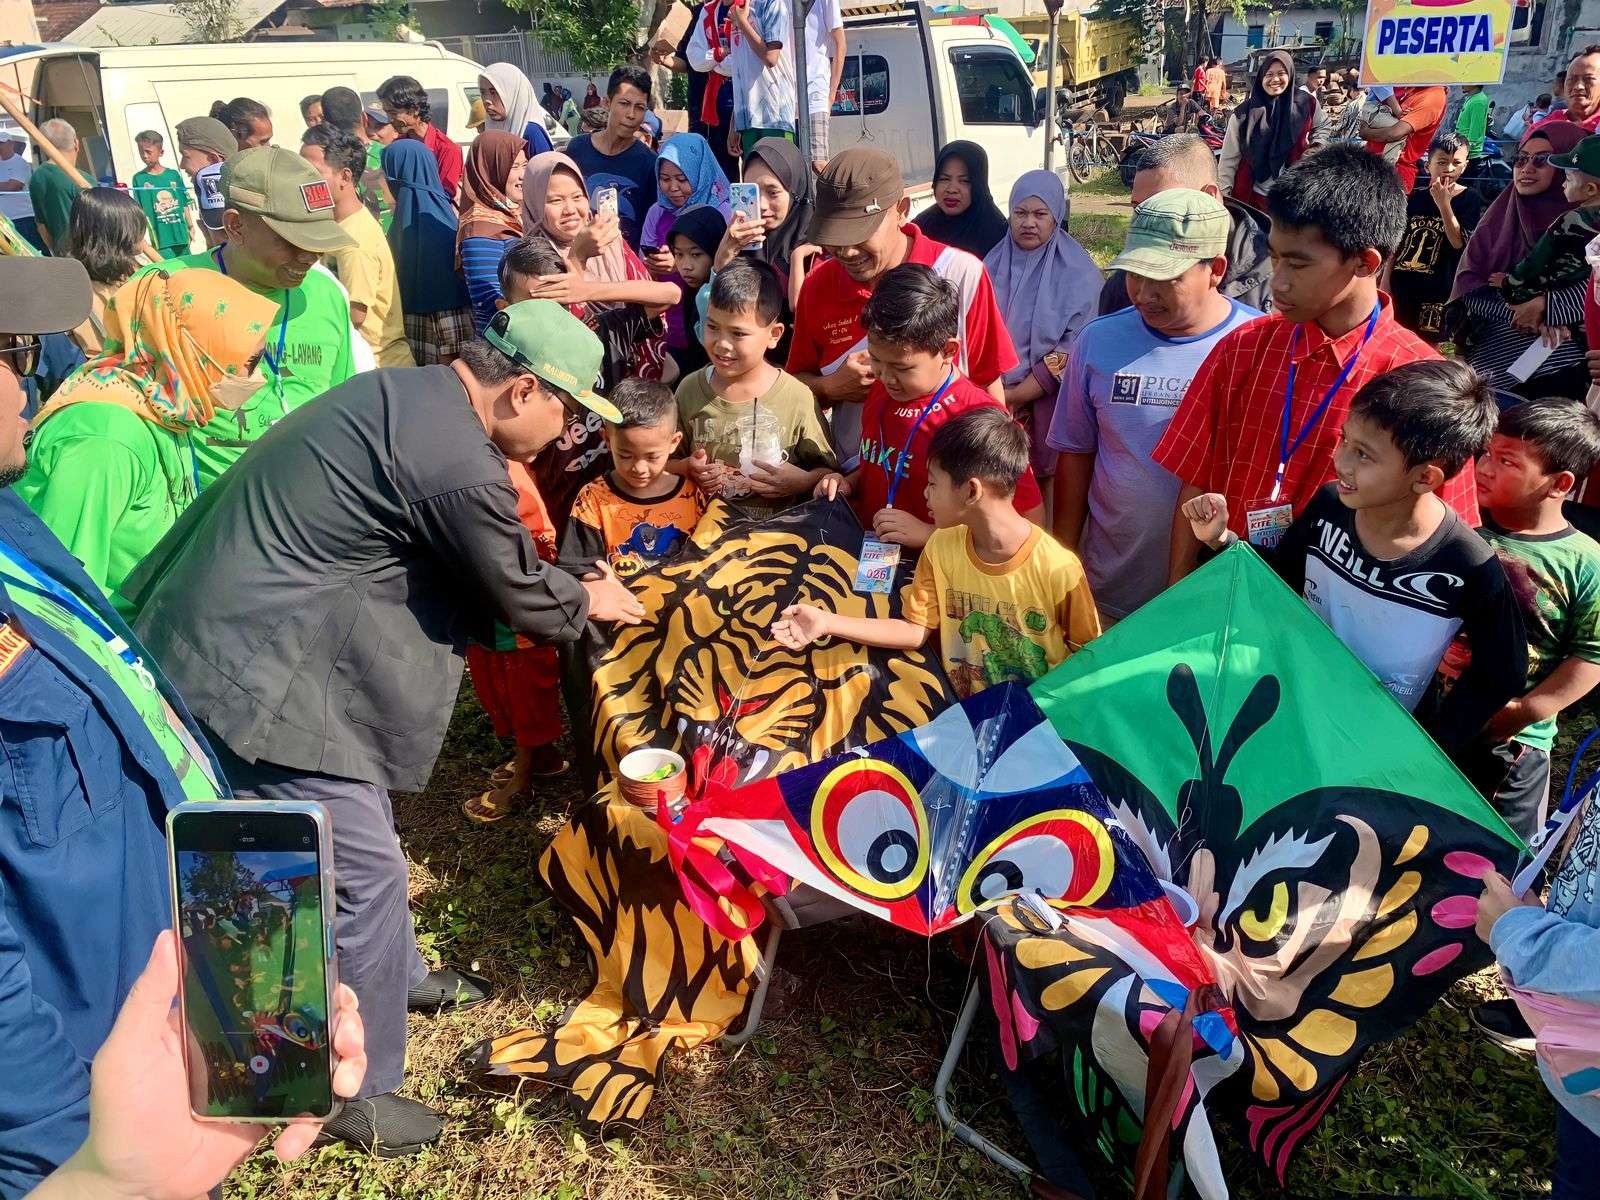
(14, 111)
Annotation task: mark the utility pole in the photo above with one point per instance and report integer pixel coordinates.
(802, 112)
(1052, 65)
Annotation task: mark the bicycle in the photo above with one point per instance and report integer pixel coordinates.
(1081, 160)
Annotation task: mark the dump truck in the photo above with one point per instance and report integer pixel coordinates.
(1099, 56)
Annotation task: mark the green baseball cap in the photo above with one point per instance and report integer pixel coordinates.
(546, 340)
(1172, 231)
(1585, 157)
(286, 192)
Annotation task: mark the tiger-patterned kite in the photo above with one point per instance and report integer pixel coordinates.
(1331, 851)
(700, 673)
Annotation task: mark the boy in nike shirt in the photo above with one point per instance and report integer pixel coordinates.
(912, 322)
(1390, 569)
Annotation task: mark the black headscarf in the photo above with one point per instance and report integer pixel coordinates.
(980, 228)
(783, 158)
(1269, 126)
(703, 225)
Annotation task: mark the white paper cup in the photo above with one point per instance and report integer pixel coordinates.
(635, 768)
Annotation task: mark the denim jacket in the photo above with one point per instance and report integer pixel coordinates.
(84, 791)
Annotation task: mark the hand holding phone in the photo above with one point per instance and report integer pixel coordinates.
(252, 886)
(747, 204)
(143, 1138)
(606, 200)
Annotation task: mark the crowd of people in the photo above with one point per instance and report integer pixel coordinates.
(410, 407)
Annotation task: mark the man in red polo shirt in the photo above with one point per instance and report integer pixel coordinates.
(860, 219)
(1262, 417)
(1582, 90)
(1421, 111)
(405, 103)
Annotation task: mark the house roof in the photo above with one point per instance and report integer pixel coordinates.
(153, 24)
(57, 18)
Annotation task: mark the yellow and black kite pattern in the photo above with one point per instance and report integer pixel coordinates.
(701, 671)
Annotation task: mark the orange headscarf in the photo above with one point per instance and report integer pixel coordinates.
(170, 339)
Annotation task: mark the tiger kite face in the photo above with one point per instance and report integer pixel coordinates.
(702, 669)
(1326, 921)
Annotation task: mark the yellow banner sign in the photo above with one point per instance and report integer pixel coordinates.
(1436, 41)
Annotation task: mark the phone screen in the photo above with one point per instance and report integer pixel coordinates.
(255, 987)
(747, 203)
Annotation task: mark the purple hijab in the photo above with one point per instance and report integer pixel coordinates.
(1514, 222)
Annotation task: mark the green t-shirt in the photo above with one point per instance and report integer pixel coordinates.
(711, 422)
(186, 759)
(52, 191)
(1472, 123)
(165, 200)
(372, 192)
(1556, 579)
(109, 484)
(316, 357)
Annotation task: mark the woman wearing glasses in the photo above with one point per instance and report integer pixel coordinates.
(110, 466)
(1493, 334)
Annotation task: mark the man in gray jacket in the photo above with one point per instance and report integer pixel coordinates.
(313, 606)
(1185, 161)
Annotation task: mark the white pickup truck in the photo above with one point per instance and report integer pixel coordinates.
(914, 80)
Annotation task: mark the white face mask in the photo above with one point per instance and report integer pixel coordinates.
(233, 392)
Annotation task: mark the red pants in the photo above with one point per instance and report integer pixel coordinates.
(520, 690)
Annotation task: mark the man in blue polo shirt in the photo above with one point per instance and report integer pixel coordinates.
(1123, 382)
(95, 746)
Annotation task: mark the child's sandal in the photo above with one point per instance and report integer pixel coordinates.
(487, 810)
(560, 768)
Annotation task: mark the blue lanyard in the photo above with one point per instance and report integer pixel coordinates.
(905, 451)
(1286, 448)
(40, 584)
(275, 365)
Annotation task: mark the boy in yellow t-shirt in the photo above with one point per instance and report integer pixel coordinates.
(1008, 600)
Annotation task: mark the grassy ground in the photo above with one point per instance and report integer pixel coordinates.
(832, 1101)
(1100, 215)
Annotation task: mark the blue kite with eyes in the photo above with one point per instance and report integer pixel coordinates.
(925, 828)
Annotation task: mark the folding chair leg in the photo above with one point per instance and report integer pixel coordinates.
(941, 1088)
(758, 1001)
(1179, 1178)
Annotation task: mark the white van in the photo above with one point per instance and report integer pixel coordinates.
(111, 94)
(914, 80)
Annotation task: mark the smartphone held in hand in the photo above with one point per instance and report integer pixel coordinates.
(747, 204)
(252, 897)
(606, 201)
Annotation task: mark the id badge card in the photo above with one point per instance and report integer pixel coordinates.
(1265, 521)
(879, 561)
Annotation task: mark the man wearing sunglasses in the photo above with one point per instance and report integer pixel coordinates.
(314, 606)
(97, 747)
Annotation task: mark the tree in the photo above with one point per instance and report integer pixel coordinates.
(214, 21)
(389, 17)
(217, 881)
(596, 35)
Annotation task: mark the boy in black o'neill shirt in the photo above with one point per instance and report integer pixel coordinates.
(1388, 566)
